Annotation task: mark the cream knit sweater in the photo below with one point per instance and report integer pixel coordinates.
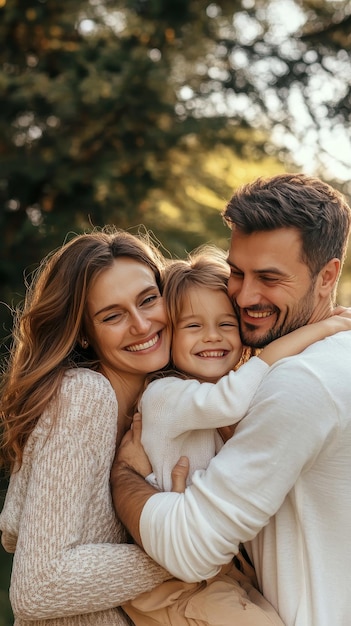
(72, 565)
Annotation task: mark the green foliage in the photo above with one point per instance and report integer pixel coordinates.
(97, 101)
(88, 124)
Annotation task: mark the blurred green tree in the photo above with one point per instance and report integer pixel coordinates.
(100, 104)
(88, 123)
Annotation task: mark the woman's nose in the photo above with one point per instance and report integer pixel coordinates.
(140, 323)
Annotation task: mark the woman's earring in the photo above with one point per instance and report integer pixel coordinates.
(85, 343)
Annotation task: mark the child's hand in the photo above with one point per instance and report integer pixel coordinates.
(343, 311)
(341, 319)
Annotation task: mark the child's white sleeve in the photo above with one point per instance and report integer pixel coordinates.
(152, 480)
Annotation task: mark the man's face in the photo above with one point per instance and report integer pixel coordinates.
(271, 288)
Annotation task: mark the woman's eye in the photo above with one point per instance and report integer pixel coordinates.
(114, 317)
(150, 299)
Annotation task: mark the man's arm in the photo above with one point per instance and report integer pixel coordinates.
(129, 490)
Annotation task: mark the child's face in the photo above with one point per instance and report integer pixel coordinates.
(206, 342)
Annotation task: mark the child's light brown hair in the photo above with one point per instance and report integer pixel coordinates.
(204, 267)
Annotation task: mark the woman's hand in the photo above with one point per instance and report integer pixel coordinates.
(226, 432)
(131, 452)
(179, 474)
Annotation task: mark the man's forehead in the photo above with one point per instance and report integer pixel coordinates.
(265, 250)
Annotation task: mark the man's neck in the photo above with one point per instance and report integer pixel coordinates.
(322, 311)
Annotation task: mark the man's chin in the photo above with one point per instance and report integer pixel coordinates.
(257, 344)
(255, 339)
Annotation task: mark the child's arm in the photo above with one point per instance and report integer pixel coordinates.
(299, 339)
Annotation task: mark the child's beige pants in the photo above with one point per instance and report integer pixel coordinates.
(228, 599)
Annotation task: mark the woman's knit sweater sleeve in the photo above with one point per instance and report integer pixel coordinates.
(71, 555)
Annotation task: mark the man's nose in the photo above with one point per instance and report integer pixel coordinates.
(246, 294)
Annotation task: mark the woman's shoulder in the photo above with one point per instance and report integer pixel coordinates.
(82, 380)
(85, 402)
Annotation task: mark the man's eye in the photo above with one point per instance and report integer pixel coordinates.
(270, 279)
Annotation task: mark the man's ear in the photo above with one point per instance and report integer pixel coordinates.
(328, 277)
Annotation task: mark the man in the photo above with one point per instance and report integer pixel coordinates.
(282, 482)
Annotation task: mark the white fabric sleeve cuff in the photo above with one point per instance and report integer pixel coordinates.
(152, 480)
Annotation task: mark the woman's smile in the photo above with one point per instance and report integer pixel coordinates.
(145, 345)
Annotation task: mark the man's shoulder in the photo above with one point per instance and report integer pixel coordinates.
(333, 347)
(322, 363)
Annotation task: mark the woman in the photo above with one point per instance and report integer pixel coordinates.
(92, 328)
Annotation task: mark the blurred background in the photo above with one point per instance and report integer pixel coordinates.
(152, 112)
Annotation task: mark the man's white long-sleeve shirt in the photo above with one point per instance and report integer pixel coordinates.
(281, 483)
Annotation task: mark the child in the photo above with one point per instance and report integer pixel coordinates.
(181, 411)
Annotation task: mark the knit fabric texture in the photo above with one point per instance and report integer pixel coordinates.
(72, 562)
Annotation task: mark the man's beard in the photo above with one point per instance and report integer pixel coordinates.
(298, 316)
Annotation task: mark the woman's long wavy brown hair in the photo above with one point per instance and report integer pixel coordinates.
(48, 330)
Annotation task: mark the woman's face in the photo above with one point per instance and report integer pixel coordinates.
(127, 320)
